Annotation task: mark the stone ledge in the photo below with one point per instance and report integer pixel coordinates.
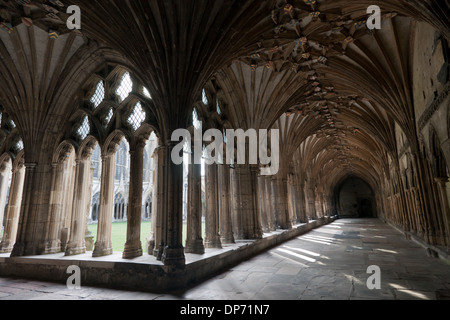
(441, 253)
(146, 273)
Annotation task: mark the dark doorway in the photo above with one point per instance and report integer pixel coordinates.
(355, 199)
(365, 209)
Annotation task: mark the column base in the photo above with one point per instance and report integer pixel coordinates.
(74, 249)
(174, 257)
(195, 247)
(213, 243)
(132, 251)
(227, 239)
(29, 249)
(102, 249)
(53, 247)
(6, 247)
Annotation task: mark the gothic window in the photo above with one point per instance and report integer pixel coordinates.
(98, 95)
(147, 93)
(125, 87)
(109, 116)
(195, 119)
(219, 109)
(205, 98)
(19, 145)
(84, 129)
(137, 117)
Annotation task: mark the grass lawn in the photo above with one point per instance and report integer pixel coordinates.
(119, 234)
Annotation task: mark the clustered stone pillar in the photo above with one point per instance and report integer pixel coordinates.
(261, 200)
(5, 174)
(32, 238)
(245, 212)
(212, 237)
(442, 185)
(301, 211)
(13, 209)
(133, 246)
(77, 243)
(103, 245)
(226, 229)
(194, 239)
(173, 199)
(156, 238)
(150, 246)
(53, 243)
(279, 191)
(269, 204)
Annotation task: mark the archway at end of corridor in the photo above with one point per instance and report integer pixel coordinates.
(355, 199)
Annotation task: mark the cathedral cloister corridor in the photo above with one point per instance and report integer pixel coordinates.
(217, 149)
(329, 263)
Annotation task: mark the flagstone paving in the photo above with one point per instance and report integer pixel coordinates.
(329, 263)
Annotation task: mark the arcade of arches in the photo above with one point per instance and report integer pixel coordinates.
(364, 120)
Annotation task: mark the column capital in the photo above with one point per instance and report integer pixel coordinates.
(441, 181)
(30, 165)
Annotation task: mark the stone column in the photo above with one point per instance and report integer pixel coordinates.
(77, 244)
(273, 201)
(150, 246)
(246, 223)
(194, 239)
(133, 246)
(34, 213)
(263, 208)
(53, 230)
(158, 216)
(282, 209)
(13, 209)
(88, 236)
(269, 203)
(103, 245)
(226, 228)
(442, 185)
(212, 237)
(173, 197)
(311, 204)
(256, 217)
(68, 194)
(301, 203)
(291, 200)
(5, 174)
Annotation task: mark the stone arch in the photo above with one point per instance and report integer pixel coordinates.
(5, 159)
(87, 147)
(63, 152)
(19, 161)
(112, 142)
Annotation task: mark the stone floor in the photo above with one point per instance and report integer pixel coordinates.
(328, 263)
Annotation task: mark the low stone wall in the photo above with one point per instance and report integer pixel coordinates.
(143, 276)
